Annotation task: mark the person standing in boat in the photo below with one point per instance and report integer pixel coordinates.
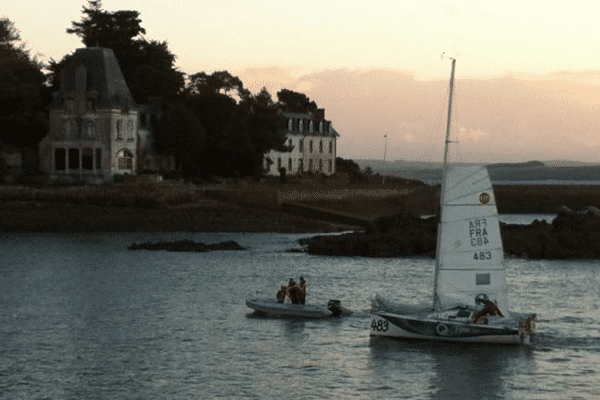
(293, 292)
(281, 294)
(303, 289)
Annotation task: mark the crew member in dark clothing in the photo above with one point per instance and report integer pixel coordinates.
(303, 289)
(293, 292)
(281, 294)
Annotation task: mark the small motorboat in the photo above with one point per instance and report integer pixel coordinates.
(286, 309)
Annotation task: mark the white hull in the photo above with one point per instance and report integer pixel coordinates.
(443, 328)
(287, 309)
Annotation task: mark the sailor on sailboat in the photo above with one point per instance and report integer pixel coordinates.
(469, 270)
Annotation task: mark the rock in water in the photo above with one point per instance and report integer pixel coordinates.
(187, 245)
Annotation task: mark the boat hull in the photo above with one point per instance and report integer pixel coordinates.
(286, 309)
(443, 330)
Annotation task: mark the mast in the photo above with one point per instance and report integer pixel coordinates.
(436, 300)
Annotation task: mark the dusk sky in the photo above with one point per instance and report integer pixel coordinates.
(528, 73)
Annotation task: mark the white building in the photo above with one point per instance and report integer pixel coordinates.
(313, 142)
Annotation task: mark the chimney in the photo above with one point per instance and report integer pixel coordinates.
(319, 114)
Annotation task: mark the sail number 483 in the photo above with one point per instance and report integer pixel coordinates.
(482, 255)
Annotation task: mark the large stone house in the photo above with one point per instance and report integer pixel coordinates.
(313, 142)
(94, 123)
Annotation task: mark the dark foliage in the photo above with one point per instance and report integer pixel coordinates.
(148, 66)
(291, 101)
(23, 95)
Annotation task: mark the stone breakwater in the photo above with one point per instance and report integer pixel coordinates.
(570, 235)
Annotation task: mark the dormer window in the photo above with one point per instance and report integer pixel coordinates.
(290, 125)
(321, 127)
(311, 126)
(301, 126)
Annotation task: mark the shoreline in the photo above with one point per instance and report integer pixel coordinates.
(211, 216)
(181, 208)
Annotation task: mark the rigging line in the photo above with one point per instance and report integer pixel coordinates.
(440, 119)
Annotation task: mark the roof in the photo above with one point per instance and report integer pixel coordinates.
(103, 76)
(328, 132)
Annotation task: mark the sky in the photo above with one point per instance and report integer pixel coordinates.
(375, 66)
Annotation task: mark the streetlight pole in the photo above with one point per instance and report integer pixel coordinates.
(384, 151)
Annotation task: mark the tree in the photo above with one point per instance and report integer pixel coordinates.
(240, 127)
(23, 96)
(148, 66)
(117, 30)
(180, 134)
(291, 101)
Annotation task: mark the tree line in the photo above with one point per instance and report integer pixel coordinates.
(210, 123)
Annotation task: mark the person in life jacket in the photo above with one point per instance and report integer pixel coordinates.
(303, 289)
(491, 309)
(293, 292)
(281, 294)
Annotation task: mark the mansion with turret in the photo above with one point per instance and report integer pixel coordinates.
(96, 131)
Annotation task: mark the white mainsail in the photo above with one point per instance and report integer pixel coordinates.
(469, 250)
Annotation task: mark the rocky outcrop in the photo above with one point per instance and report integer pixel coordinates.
(570, 235)
(187, 245)
(395, 236)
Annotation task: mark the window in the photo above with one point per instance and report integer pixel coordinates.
(143, 122)
(73, 128)
(330, 166)
(98, 158)
(73, 158)
(125, 160)
(301, 126)
(119, 130)
(290, 165)
(90, 129)
(66, 128)
(87, 158)
(130, 131)
(278, 163)
(301, 146)
(59, 159)
(320, 146)
(300, 165)
(311, 126)
(290, 125)
(310, 165)
(321, 127)
(320, 165)
(330, 146)
(310, 146)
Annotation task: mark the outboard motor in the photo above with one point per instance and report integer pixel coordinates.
(335, 306)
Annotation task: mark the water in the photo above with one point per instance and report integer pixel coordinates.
(83, 318)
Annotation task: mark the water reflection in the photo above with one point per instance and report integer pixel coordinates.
(450, 371)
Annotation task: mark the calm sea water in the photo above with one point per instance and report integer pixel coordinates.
(82, 317)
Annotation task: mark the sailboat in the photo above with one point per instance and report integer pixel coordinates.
(469, 268)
